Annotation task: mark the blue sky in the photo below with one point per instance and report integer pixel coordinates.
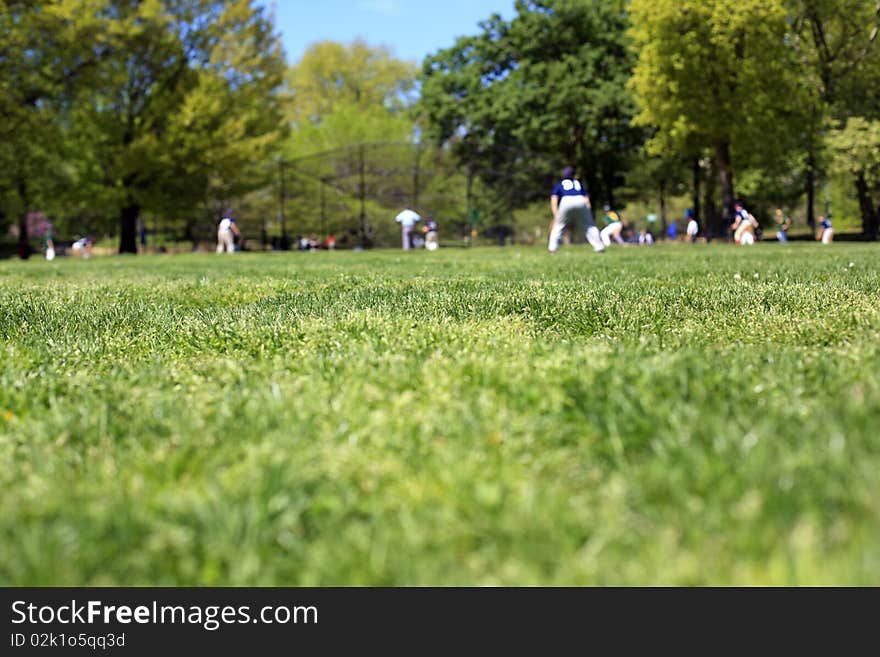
(411, 28)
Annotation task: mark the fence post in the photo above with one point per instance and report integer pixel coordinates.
(281, 198)
(469, 222)
(415, 203)
(363, 193)
(323, 206)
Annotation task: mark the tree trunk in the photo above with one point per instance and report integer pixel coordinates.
(189, 233)
(663, 206)
(608, 181)
(712, 223)
(24, 245)
(866, 205)
(725, 178)
(810, 179)
(610, 195)
(593, 190)
(696, 197)
(128, 228)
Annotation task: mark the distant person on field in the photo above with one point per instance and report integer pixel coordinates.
(407, 220)
(613, 227)
(693, 228)
(783, 222)
(227, 231)
(142, 233)
(330, 242)
(83, 246)
(49, 243)
(570, 202)
(645, 237)
(826, 232)
(744, 225)
(672, 231)
(432, 239)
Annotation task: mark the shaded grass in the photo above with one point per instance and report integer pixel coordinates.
(485, 417)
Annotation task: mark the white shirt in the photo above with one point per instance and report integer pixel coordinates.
(407, 218)
(692, 228)
(226, 223)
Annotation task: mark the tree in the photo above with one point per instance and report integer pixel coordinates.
(183, 105)
(230, 126)
(526, 96)
(353, 137)
(659, 178)
(47, 52)
(331, 75)
(856, 148)
(836, 42)
(711, 73)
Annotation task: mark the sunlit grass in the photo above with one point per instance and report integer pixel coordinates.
(665, 415)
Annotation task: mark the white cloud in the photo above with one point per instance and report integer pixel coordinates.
(384, 7)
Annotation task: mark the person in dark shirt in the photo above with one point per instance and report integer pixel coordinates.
(744, 225)
(570, 202)
(826, 232)
(432, 240)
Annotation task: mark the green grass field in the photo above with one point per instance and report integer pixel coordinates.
(666, 415)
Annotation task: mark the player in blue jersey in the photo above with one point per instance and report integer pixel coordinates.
(570, 202)
(744, 225)
(826, 232)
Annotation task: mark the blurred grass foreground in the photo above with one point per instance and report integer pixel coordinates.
(672, 415)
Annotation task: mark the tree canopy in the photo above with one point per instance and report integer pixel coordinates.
(547, 88)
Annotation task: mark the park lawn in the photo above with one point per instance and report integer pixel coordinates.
(669, 415)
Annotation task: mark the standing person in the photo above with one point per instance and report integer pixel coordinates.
(83, 246)
(142, 233)
(744, 225)
(570, 201)
(782, 224)
(613, 227)
(227, 231)
(672, 231)
(693, 228)
(49, 243)
(407, 220)
(432, 240)
(826, 232)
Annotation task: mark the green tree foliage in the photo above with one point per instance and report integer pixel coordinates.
(856, 151)
(356, 75)
(343, 95)
(184, 106)
(717, 73)
(526, 96)
(47, 52)
(344, 101)
(836, 43)
(175, 109)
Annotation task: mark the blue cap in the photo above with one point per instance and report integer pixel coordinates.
(567, 172)
(688, 213)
